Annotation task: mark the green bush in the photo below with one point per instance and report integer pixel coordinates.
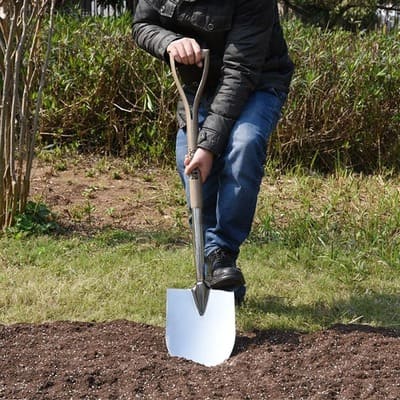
(336, 13)
(343, 106)
(105, 93)
(110, 96)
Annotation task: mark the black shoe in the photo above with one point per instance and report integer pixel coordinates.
(240, 293)
(224, 272)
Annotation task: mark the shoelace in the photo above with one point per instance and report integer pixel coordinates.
(222, 257)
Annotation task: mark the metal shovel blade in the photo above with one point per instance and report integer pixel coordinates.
(207, 339)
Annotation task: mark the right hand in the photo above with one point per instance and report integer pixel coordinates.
(203, 160)
(186, 51)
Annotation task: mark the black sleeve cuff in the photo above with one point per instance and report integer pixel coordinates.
(214, 133)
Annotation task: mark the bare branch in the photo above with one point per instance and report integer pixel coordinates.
(20, 67)
(39, 100)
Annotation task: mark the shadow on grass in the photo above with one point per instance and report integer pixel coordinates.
(159, 238)
(111, 236)
(377, 309)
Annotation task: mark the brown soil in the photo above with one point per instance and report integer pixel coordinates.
(89, 194)
(127, 360)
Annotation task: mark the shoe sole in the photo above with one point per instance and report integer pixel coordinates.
(239, 293)
(227, 280)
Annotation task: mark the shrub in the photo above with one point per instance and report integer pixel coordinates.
(106, 93)
(343, 107)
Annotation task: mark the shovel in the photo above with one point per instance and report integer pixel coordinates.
(200, 322)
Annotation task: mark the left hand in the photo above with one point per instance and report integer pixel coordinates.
(203, 160)
(186, 51)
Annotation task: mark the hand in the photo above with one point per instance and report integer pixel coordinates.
(203, 160)
(186, 51)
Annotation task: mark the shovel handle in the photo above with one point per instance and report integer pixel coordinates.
(192, 124)
(195, 186)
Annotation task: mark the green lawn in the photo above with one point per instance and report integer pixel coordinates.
(324, 250)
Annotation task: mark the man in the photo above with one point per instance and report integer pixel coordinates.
(248, 81)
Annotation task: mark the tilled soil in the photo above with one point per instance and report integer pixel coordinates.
(126, 360)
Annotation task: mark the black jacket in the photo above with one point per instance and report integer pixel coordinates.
(247, 48)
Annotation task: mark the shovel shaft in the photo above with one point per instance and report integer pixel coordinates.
(195, 186)
(198, 242)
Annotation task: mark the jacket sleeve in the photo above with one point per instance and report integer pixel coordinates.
(148, 32)
(247, 47)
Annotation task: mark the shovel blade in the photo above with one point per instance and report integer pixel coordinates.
(207, 339)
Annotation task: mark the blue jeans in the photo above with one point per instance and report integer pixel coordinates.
(230, 192)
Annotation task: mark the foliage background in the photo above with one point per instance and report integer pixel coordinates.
(351, 15)
(106, 95)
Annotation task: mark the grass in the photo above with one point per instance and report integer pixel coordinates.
(324, 250)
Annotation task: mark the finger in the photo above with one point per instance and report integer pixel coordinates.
(189, 51)
(173, 51)
(180, 52)
(198, 55)
(177, 50)
(189, 168)
(187, 160)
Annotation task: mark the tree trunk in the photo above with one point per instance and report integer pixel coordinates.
(23, 63)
